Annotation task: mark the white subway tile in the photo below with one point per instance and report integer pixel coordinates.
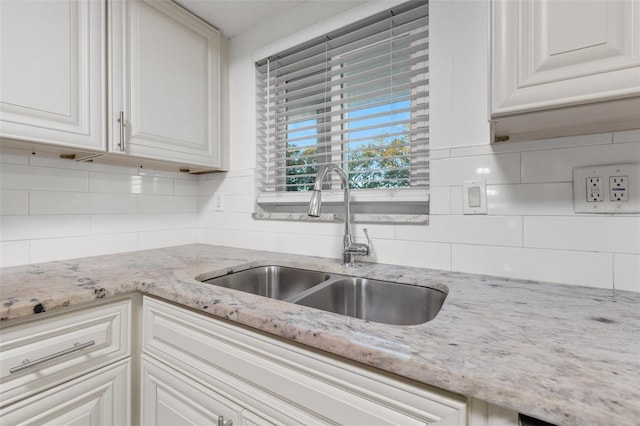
(626, 272)
(14, 156)
(591, 233)
(50, 202)
(561, 266)
(494, 169)
(435, 154)
(69, 248)
(114, 223)
(209, 187)
(13, 176)
(14, 253)
(43, 226)
(223, 220)
(185, 187)
(167, 204)
(412, 253)
(379, 231)
(439, 200)
(309, 245)
(167, 238)
(36, 160)
(232, 203)
(537, 145)
(556, 165)
(14, 201)
(129, 184)
(241, 185)
(243, 239)
(456, 200)
(626, 136)
(531, 199)
(471, 229)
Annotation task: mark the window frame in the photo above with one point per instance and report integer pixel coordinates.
(411, 204)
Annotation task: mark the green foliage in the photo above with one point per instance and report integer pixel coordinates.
(375, 165)
(379, 165)
(303, 175)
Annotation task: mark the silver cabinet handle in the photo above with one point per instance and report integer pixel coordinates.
(221, 421)
(28, 364)
(121, 121)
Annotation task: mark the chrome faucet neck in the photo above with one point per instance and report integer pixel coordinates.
(350, 248)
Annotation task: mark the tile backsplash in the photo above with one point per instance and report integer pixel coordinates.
(55, 209)
(531, 231)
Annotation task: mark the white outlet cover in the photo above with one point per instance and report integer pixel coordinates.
(607, 205)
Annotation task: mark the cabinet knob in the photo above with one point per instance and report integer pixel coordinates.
(221, 421)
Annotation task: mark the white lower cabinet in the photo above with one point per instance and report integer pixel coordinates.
(98, 398)
(72, 368)
(276, 382)
(170, 398)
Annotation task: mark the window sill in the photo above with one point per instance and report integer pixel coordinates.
(418, 219)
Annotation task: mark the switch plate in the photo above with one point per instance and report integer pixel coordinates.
(218, 201)
(609, 189)
(474, 197)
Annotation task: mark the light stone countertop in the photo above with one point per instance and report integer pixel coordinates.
(565, 354)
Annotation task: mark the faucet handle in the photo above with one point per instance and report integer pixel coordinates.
(366, 234)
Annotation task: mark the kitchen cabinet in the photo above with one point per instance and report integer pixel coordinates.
(137, 82)
(164, 91)
(98, 398)
(69, 367)
(283, 382)
(564, 67)
(53, 72)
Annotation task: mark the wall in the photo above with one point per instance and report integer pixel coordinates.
(56, 209)
(530, 232)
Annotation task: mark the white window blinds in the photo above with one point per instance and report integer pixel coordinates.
(357, 97)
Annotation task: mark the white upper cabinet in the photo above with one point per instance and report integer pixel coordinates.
(562, 67)
(52, 72)
(165, 71)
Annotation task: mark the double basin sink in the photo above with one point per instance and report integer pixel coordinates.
(371, 300)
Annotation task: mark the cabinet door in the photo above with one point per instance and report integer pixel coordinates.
(165, 71)
(564, 67)
(98, 398)
(52, 72)
(557, 53)
(169, 398)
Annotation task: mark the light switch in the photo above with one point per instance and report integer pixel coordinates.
(474, 197)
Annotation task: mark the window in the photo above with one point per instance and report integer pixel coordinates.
(357, 97)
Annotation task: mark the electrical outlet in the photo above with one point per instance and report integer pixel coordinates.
(218, 201)
(594, 190)
(610, 189)
(618, 188)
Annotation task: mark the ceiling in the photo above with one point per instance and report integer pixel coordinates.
(233, 17)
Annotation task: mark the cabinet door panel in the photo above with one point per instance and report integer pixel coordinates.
(172, 399)
(549, 54)
(98, 398)
(165, 73)
(52, 72)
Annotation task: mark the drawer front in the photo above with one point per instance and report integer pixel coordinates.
(43, 353)
(316, 389)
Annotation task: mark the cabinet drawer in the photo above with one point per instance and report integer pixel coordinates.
(308, 386)
(43, 353)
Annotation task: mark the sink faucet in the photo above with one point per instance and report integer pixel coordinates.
(350, 248)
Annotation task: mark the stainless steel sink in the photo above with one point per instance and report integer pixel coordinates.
(371, 300)
(277, 282)
(377, 301)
